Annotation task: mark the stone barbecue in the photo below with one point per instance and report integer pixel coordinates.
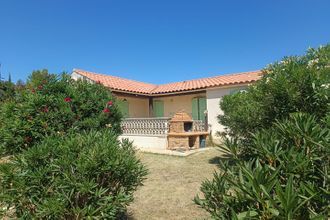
(181, 134)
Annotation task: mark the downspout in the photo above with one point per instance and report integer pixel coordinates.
(151, 107)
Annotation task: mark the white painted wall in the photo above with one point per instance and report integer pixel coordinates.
(147, 142)
(77, 76)
(213, 98)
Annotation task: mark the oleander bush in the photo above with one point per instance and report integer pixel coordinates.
(277, 145)
(7, 91)
(286, 179)
(54, 105)
(87, 175)
(295, 84)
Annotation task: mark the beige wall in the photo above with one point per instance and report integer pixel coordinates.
(138, 106)
(173, 104)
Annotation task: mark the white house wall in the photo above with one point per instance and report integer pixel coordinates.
(213, 98)
(147, 142)
(76, 76)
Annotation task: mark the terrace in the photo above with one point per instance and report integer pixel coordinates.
(154, 133)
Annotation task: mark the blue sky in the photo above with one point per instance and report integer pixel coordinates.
(157, 41)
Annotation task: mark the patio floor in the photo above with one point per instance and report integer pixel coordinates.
(172, 184)
(173, 152)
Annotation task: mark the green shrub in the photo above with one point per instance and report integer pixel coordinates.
(296, 84)
(286, 179)
(39, 77)
(7, 91)
(55, 106)
(89, 175)
(278, 145)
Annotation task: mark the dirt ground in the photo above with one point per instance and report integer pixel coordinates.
(171, 186)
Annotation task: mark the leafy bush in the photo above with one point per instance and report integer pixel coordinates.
(54, 105)
(278, 145)
(39, 77)
(296, 84)
(7, 91)
(88, 175)
(286, 179)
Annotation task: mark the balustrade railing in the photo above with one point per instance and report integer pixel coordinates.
(145, 126)
(153, 126)
(199, 125)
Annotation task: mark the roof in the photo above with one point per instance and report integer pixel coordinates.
(118, 83)
(132, 86)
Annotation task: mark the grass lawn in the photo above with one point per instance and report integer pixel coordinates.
(171, 186)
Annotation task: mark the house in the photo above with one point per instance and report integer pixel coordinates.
(148, 108)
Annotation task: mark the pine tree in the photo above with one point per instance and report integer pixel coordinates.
(9, 78)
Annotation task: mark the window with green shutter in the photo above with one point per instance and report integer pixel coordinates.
(124, 107)
(195, 114)
(198, 108)
(158, 106)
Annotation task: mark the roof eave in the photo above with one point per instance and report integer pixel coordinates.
(186, 91)
(152, 94)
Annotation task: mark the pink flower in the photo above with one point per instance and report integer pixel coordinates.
(67, 99)
(40, 87)
(45, 109)
(110, 103)
(28, 139)
(33, 90)
(106, 110)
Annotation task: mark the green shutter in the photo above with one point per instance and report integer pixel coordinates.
(201, 108)
(123, 107)
(195, 108)
(158, 107)
(198, 108)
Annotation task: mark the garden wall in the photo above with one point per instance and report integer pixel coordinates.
(147, 142)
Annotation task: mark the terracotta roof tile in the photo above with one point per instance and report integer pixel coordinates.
(118, 83)
(217, 81)
(127, 85)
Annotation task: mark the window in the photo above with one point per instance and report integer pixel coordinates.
(198, 108)
(124, 107)
(158, 108)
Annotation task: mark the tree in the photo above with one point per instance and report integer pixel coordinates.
(89, 175)
(20, 83)
(66, 160)
(39, 77)
(55, 105)
(278, 146)
(7, 91)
